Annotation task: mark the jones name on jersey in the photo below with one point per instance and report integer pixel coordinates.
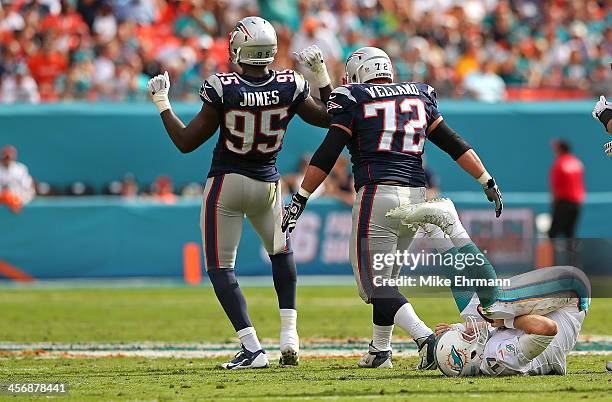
(254, 114)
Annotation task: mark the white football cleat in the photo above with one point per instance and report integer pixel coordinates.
(440, 212)
(376, 358)
(246, 359)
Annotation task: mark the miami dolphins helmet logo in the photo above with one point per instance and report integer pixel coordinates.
(456, 359)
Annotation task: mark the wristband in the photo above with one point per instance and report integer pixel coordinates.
(605, 117)
(304, 193)
(322, 77)
(162, 103)
(484, 178)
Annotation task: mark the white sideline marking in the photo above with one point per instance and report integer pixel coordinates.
(600, 345)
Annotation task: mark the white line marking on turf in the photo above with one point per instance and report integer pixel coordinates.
(600, 345)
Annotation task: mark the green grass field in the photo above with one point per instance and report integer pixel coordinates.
(177, 314)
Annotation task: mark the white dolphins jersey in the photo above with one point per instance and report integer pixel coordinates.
(503, 355)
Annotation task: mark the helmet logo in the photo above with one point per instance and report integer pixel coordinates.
(240, 26)
(456, 359)
(355, 54)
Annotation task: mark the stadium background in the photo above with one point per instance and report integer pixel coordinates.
(116, 200)
(73, 76)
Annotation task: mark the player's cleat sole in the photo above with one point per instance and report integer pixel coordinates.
(427, 351)
(289, 357)
(440, 212)
(246, 359)
(376, 358)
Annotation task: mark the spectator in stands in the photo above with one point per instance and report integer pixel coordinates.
(339, 183)
(485, 85)
(129, 186)
(548, 46)
(104, 24)
(16, 184)
(162, 190)
(567, 187)
(19, 87)
(293, 180)
(192, 190)
(46, 65)
(602, 84)
(313, 32)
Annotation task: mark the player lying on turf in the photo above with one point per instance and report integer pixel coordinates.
(531, 308)
(385, 125)
(253, 109)
(535, 344)
(440, 221)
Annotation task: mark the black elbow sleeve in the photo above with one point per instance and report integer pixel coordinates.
(328, 152)
(448, 140)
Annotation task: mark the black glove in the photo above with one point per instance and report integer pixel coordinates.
(494, 195)
(293, 212)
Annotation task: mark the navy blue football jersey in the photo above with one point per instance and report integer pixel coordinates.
(389, 123)
(254, 114)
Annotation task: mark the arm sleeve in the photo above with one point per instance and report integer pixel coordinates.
(328, 152)
(342, 106)
(211, 92)
(448, 140)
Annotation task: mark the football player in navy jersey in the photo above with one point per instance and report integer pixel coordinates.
(385, 125)
(252, 110)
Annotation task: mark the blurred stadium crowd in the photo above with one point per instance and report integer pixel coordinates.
(491, 50)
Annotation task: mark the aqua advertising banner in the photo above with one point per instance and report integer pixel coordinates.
(102, 237)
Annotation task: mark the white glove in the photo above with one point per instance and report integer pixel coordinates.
(600, 106)
(158, 88)
(312, 58)
(608, 148)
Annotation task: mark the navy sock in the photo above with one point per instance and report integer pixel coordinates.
(285, 279)
(230, 297)
(386, 301)
(379, 317)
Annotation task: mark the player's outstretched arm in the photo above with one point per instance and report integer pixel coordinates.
(320, 165)
(450, 142)
(314, 112)
(185, 138)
